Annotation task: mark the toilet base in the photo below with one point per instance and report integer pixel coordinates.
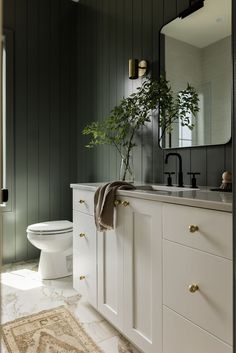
(55, 265)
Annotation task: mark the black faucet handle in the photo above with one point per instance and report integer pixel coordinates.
(194, 180)
(169, 179)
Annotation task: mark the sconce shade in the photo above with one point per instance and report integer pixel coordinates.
(133, 69)
(137, 68)
(142, 68)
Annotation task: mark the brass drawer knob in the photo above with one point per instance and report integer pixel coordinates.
(192, 228)
(117, 202)
(125, 203)
(193, 288)
(81, 201)
(82, 278)
(82, 235)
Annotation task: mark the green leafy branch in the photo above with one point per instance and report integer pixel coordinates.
(133, 112)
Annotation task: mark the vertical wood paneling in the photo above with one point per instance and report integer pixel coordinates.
(87, 65)
(186, 158)
(9, 46)
(228, 157)
(64, 112)
(99, 75)
(72, 111)
(8, 216)
(113, 64)
(44, 85)
(121, 61)
(82, 173)
(55, 82)
(128, 44)
(9, 236)
(199, 164)
(21, 163)
(9, 14)
(104, 150)
(43, 109)
(170, 10)
(58, 91)
(215, 165)
(33, 118)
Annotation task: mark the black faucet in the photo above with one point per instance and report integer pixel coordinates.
(180, 173)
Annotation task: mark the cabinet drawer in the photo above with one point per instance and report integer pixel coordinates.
(85, 257)
(210, 307)
(214, 234)
(82, 224)
(83, 201)
(182, 336)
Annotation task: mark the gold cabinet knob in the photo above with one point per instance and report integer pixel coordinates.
(81, 201)
(82, 278)
(82, 235)
(117, 202)
(192, 228)
(193, 288)
(125, 203)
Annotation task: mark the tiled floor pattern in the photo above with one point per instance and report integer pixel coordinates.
(24, 293)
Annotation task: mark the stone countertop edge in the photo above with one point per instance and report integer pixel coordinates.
(203, 197)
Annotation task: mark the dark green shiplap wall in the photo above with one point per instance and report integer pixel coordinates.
(43, 97)
(70, 67)
(109, 33)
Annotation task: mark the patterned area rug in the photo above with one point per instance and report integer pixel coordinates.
(50, 331)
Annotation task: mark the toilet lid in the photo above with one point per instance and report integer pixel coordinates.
(51, 226)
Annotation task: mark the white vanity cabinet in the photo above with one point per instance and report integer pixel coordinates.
(130, 273)
(143, 274)
(163, 277)
(84, 246)
(110, 258)
(197, 280)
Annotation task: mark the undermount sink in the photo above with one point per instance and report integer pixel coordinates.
(170, 188)
(164, 188)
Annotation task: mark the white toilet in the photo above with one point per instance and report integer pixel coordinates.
(54, 239)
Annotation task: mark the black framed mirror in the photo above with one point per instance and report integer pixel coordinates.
(197, 50)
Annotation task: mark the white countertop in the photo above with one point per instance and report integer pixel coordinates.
(202, 197)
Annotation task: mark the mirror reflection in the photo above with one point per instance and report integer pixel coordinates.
(197, 50)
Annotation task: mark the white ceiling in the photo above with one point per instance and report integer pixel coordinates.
(205, 26)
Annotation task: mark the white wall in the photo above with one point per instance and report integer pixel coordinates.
(209, 71)
(217, 70)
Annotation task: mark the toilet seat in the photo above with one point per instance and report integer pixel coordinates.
(51, 227)
(55, 240)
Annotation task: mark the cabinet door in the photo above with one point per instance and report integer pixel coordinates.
(110, 272)
(85, 256)
(143, 274)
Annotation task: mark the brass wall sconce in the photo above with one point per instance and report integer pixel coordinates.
(137, 68)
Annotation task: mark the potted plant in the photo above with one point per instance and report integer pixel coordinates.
(128, 117)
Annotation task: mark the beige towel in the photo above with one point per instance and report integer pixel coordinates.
(104, 203)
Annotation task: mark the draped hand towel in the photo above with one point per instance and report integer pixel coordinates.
(104, 203)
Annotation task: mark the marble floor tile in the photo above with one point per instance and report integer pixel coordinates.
(24, 293)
